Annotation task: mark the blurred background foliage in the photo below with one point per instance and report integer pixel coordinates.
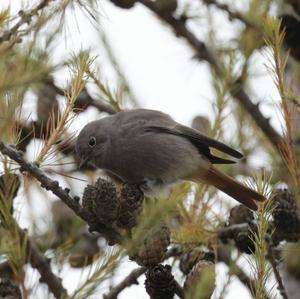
(193, 244)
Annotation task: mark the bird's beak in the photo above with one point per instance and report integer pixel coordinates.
(83, 162)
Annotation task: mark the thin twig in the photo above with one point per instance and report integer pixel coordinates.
(36, 172)
(273, 262)
(136, 273)
(25, 18)
(54, 187)
(179, 290)
(39, 262)
(233, 15)
(126, 282)
(203, 53)
(37, 130)
(85, 100)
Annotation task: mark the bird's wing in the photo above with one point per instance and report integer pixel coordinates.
(201, 142)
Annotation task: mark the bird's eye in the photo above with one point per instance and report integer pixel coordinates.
(92, 141)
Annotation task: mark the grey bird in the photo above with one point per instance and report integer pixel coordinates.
(150, 149)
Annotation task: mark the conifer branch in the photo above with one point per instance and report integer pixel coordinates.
(25, 18)
(233, 15)
(55, 188)
(39, 262)
(45, 181)
(274, 264)
(136, 273)
(204, 53)
(126, 282)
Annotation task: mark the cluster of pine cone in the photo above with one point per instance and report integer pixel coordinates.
(285, 224)
(199, 268)
(110, 211)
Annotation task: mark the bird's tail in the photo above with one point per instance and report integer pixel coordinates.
(231, 187)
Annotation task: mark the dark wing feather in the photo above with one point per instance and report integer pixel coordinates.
(202, 142)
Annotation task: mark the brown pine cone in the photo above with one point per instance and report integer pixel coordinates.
(244, 240)
(160, 283)
(240, 228)
(9, 290)
(153, 247)
(189, 259)
(200, 282)
(101, 202)
(131, 205)
(240, 214)
(286, 217)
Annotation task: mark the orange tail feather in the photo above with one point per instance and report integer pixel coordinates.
(231, 187)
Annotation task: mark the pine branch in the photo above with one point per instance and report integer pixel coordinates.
(46, 182)
(179, 290)
(136, 273)
(37, 130)
(54, 187)
(85, 100)
(203, 53)
(128, 281)
(39, 262)
(273, 262)
(233, 15)
(25, 18)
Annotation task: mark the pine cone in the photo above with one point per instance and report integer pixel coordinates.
(200, 282)
(244, 240)
(101, 202)
(292, 34)
(89, 194)
(154, 246)
(131, 205)
(189, 259)
(160, 283)
(240, 214)
(242, 236)
(9, 290)
(286, 217)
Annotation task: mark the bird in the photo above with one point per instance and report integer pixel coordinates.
(148, 148)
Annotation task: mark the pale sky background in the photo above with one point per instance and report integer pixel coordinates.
(159, 68)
